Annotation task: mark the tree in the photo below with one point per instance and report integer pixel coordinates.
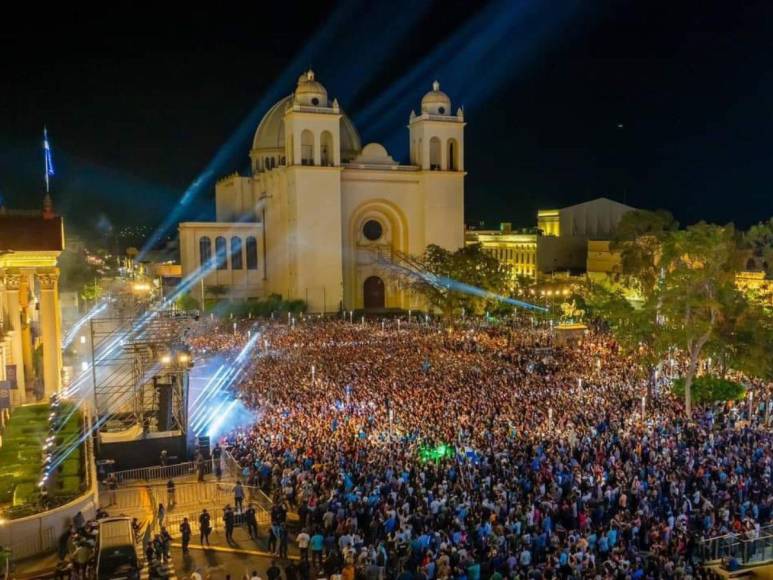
(186, 302)
(697, 291)
(75, 272)
(634, 328)
(759, 241)
(91, 292)
(639, 237)
(467, 278)
(708, 389)
(743, 339)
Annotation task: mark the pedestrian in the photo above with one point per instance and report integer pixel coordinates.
(273, 572)
(200, 466)
(291, 571)
(204, 527)
(283, 542)
(79, 521)
(81, 559)
(303, 543)
(171, 494)
(272, 540)
(217, 452)
(161, 514)
(228, 520)
(158, 548)
(316, 543)
(112, 485)
(239, 496)
(150, 553)
(164, 456)
(166, 541)
(185, 533)
(252, 522)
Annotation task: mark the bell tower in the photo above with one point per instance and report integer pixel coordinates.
(437, 149)
(436, 135)
(312, 126)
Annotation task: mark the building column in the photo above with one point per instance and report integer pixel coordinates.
(50, 330)
(13, 281)
(317, 154)
(27, 315)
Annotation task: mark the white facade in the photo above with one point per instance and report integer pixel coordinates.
(327, 214)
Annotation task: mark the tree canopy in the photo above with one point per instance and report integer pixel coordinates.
(467, 278)
(690, 302)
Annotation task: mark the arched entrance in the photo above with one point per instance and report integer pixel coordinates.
(373, 291)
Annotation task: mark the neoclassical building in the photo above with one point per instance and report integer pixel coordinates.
(30, 319)
(320, 217)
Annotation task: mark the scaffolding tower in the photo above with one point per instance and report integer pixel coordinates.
(140, 368)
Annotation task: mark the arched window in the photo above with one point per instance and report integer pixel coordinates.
(205, 251)
(434, 154)
(236, 253)
(326, 149)
(307, 148)
(221, 253)
(453, 161)
(252, 253)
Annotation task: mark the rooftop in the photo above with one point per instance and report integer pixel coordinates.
(28, 232)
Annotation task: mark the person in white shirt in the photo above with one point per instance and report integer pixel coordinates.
(303, 540)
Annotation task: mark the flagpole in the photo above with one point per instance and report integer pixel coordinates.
(48, 164)
(45, 156)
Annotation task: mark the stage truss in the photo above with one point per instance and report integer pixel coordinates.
(134, 360)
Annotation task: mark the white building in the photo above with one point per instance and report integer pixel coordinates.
(319, 208)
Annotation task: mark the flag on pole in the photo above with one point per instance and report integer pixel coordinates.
(47, 158)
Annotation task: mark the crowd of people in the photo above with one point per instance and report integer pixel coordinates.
(420, 451)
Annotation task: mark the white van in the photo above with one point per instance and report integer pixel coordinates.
(117, 550)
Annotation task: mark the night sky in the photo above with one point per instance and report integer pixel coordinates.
(654, 104)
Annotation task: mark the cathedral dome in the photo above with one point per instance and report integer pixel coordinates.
(436, 102)
(270, 135)
(310, 92)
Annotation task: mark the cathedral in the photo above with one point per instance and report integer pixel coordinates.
(321, 217)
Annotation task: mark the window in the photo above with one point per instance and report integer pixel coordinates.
(221, 253)
(236, 253)
(307, 148)
(205, 251)
(434, 154)
(453, 162)
(326, 149)
(372, 230)
(252, 253)
(315, 101)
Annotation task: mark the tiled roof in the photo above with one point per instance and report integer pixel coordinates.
(25, 233)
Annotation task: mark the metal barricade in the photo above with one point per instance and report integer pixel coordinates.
(164, 472)
(745, 550)
(237, 472)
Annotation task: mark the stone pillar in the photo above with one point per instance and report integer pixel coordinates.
(27, 314)
(317, 154)
(12, 284)
(50, 330)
